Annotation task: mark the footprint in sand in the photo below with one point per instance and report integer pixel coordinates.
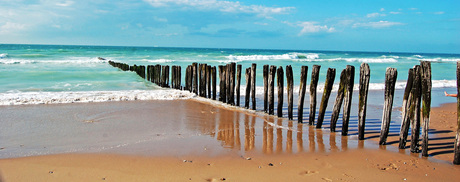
(309, 173)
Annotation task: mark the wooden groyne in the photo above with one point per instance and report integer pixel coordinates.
(201, 79)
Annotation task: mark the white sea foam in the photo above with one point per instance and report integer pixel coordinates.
(159, 60)
(70, 60)
(27, 98)
(372, 60)
(288, 56)
(3, 55)
(440, 60)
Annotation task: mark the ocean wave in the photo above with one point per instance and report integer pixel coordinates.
(3, 55)
(31, 98)
(71, 60)
(159, 60)
(288, 56)
(372, 60)
(440, 59)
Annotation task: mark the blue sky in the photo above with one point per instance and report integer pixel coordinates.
(390, 25)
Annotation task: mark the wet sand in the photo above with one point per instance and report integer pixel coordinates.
(189, 140)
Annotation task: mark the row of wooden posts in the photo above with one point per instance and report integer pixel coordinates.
(201, 79)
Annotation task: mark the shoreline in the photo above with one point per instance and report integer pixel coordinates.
(230, 140)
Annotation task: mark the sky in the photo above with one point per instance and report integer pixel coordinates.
(420, 26)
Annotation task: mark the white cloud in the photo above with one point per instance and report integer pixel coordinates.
(439, 13)
(374, 15)
(379, 24)
(313, 27)
(160, 19)
(395, 13)
(11, 27)
(382, 9)
(65, 4)
(223, 6)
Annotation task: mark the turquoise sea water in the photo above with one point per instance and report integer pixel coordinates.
(31, 74)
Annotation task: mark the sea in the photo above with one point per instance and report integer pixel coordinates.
(52, 74)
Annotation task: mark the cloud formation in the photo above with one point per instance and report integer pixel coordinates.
(379, 24)
(313, 27)
(223, 6)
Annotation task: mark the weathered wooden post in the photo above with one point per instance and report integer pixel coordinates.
(426, 104)
(248, 88)
(302, 89)
(238, 83)
(280, 76)
(457, 138)
(348, 98)
(195, 78)
(232, 68)
(313, 86)
(405, 113)
(390, 81)
(271, 90)
(214, 80)
(290, 90)
(265, 79)
(222, 90)
(253, 85)
(364, 76)
(163, 76)
(415, 111)
(338, 100)
(158, 74)
(208, 81)
(188, 78)
(203, 80)
(326, 94)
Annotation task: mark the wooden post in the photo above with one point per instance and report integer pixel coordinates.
(348, 98)
(188, 78)
(290, 90)
(313, 86)
(415, 110)
(166, 76)
(271, 90)
(195, 78)
(426, 104)
(405, 116)
(280, 75)
(302, 89)
(158, 72)
(163, 76)
(457, 138)
(248, 88)
(364, 76)
(390, 81)
(179, 77)
(338, 100)
(265, 78)
(173, 76)
(203, 80)
(326, 94)
(214, 77)
(231, 73)
(222, 90)
(208, 81)
(238, 83)
(253, 85)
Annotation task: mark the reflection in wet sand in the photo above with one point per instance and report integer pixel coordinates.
(271, 135)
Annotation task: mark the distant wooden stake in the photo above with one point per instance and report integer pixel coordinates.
(265, 79)
(195, 78)
(208, 81)
(405, 116)
(290, 90)
(214, 81)
(338, 100)
(390, 81)
(326, 94)
(415, 111)
(364, 76)
(426, 104)
(253, 85)
(457, 138)
(271, 90)
(280, 76)
(238, 83)
(313, 86)
(222, 91)
(248, 88)
(347, 99)
(302, 89)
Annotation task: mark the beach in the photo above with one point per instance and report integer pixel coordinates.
(197, 140)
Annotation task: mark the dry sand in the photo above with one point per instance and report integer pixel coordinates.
(249, 147)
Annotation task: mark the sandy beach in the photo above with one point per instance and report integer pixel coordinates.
(190, 140)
